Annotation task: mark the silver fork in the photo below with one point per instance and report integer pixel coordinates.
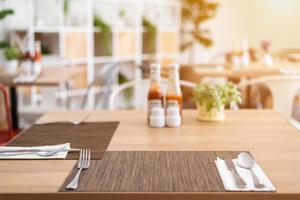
(83, 163)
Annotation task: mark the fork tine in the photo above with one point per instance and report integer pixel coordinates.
(85, 158)
(80, 158)
(89, 159)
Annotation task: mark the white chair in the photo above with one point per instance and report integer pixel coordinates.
(283, 88)
(141, 90)
(103, 83)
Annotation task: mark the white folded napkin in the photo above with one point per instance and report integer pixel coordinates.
(229, 183)
(28, 155)
(26, 78)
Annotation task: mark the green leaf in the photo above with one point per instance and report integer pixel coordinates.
(216, 96)
(66, 6)
(6, 12)
(12, 53)
(186, 45)
(197, 12)
(4, 44)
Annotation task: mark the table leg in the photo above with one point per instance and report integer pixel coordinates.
(14, 107)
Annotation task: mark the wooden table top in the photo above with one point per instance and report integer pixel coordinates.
(273, 142)
(53, 76)
(253, 70)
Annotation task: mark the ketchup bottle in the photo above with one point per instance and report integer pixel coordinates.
(155, 94)
(174, 95)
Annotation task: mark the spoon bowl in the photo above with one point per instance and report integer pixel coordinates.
(246, 161)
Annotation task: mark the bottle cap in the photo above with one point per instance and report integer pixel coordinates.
(155, 66)
(174, 66)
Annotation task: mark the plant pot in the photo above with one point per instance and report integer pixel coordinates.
(214, 115)
(11, 65)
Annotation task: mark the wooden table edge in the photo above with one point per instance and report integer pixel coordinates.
(151, 195)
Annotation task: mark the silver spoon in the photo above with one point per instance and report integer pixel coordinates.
(246, 161)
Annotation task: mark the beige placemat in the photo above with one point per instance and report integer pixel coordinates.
(95, 136)
(152, 171)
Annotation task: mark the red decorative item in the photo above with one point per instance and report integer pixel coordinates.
(265, 45)
(10, 131)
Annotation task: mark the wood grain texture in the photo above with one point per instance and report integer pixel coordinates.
(254, 70)
(95, 136)
(152, 171)
(273, 142)
(53, 76)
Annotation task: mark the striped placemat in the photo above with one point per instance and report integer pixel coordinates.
(152, 171)
(95, 136)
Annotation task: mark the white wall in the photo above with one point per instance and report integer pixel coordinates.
(278, 21)
(275, 20)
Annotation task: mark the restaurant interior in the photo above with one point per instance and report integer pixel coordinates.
(194, 98)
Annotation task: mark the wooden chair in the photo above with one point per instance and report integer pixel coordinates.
(6, 135)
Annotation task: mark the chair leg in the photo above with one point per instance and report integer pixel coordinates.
(8, 118)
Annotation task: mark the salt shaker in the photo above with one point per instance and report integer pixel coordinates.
(173, 117)
(157, 117)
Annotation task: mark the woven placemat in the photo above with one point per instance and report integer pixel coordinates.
(95, 136)
(152, 171)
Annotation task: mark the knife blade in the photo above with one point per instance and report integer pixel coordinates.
(240, 183)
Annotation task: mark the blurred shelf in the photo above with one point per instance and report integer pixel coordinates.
(75, 28)
(149, 56)
(44, 29)
(102, 59)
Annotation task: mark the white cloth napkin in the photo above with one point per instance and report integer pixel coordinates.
(26, 78)
(229, 183)
(59, 155)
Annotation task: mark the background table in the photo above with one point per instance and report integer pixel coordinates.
(274, 143)
(49, 77)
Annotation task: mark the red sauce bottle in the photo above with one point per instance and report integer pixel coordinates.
(155, 94)
(174, 95)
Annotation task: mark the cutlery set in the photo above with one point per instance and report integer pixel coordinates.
(83, 162)
(245, 161)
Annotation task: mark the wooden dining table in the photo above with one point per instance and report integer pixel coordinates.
(274, 143)
(254, 69)
(49, 77)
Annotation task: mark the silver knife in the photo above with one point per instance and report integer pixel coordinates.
(35, 150)
(240, 183)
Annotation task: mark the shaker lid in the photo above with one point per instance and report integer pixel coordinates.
(155, 66)
(174, 66)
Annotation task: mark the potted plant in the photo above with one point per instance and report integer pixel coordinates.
(12, 55)
(149, 36)
(105, 36)
(194, 14)
(212, 99)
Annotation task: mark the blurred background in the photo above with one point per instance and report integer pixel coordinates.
(84, 49)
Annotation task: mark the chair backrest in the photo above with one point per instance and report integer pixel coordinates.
(106, 74)
(283, 89)
(141, 90)
(8, 120)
